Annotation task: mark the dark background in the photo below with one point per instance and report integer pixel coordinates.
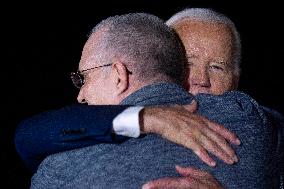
(43, 43)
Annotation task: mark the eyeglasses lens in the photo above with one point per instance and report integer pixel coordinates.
(77, 79)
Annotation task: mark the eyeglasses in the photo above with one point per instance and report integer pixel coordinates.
(78, 78)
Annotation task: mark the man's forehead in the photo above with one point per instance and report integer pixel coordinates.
(89, 52)
(87, 63)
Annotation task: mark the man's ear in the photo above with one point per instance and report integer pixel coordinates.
(120, 77)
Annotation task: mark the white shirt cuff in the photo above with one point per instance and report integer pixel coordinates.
(127, 122)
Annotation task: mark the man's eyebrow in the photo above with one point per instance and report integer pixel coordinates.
(220, 62)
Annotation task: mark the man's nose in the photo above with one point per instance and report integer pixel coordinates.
(200, 77)
(80, 97)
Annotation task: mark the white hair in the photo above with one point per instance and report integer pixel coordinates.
(147, 45)
(211, 16)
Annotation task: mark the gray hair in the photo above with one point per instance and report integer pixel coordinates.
(211, 16)
(148, 46)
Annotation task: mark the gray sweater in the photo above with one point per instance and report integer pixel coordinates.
(136, 161)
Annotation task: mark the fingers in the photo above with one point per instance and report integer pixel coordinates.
(191, 140)
(224, 132)
(192, 107)
(203, 140)
(192, 131)
(170, 183)
(204, 144)
(203, 178)
(218, 146)
(203, 155)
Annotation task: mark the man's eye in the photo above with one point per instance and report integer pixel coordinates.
(216, 67)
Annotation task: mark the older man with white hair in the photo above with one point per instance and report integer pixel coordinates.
(135, 59)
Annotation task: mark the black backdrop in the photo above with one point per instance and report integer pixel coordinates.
(43, 43)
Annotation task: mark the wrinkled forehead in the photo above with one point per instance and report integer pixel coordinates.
(205, 37)
(203, 29)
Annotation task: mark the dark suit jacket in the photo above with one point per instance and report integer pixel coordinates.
(68, 128)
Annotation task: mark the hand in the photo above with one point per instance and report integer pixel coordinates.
(181, 125)
(191, 179)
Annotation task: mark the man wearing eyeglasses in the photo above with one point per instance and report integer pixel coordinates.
(72, 130)
(148, 67)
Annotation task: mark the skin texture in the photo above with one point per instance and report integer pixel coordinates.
(101, 87)
(209, 49)
(98, 86)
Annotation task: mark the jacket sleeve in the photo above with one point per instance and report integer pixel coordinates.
(64, 129)
(258, 165)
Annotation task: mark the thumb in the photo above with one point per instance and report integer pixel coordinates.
(192, 107)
